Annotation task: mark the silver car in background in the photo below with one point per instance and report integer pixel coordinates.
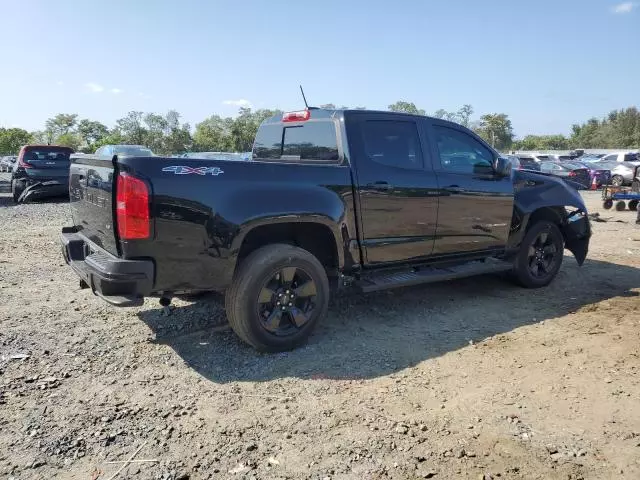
(621, 172)
(7, 163)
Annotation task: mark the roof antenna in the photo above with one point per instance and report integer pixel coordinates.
(305, 100)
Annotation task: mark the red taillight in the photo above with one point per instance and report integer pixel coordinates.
(300, 116)
(572, 173)
(132, 208)
(21, 162)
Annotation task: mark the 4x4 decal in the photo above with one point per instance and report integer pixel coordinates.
(185, 170)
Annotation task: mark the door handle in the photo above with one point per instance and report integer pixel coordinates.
(380, 185)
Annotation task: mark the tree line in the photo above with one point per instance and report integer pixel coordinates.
(167, 134)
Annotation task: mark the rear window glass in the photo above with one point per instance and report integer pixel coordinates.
(47, 153)
(313, 141)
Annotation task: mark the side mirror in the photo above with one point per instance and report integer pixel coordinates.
(502, 167)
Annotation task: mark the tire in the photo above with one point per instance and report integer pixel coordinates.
(607, 204)
(530, 254)
(263, 275)
(620, 206)
(633, 205)
(15, 191)
(617, 181)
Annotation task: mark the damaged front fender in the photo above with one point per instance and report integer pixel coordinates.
(577, 233)
(539, 197)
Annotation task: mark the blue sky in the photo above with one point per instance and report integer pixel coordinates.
(547, 64)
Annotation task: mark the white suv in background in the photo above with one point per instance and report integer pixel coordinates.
(631, 157)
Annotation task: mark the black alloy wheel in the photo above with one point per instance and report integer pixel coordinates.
(542, 255)
(286, 301)
(278, 295)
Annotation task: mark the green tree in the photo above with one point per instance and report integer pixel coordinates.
(406, 107)
(245, 126)
(113, 138)
(11, 139)
(155, 132)
(72, 140)
(91, 132)
(61, 124)
(213, 135)
(464, 115)
(496, 129)
(131, 128)
(542, 142)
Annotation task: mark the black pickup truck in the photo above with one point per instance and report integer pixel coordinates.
(330, 199)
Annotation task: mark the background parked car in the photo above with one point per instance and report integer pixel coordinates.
(601, 174)
(127, 150)
(43, 170)
(630, 157)
(7, 163)
(575, 173)
(621, 172)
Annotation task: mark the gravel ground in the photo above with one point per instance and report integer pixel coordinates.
(472, 379)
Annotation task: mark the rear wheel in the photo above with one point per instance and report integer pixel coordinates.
(617, 181)
(16, 191)
(633, 205)
(278, 295)
(620, 206)
(540, 255)
(607, 204)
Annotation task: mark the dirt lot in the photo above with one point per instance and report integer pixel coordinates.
(471, 379)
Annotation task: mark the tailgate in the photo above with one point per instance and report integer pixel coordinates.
(91, 186)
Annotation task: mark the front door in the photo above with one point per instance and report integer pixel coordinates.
(476, 206)
(397, 189)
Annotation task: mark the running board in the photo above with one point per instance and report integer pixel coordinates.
(405, 278)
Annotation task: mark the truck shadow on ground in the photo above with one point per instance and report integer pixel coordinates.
(367, 336)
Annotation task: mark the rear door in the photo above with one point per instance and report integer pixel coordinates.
(476, 206)
(47, 162)
(396, 186)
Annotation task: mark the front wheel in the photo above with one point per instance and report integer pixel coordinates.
(540, 255)
(633, 205)
(277, 297)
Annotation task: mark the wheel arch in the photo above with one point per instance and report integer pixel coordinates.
(314, 234)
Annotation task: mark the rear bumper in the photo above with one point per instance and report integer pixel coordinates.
(119, 282)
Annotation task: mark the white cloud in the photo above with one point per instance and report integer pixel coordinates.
(116, 91)
(625, 7)
(94, 87)
(238, 103)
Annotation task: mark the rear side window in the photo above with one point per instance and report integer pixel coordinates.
(631, 157)
(392, 143)
(310, 142)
